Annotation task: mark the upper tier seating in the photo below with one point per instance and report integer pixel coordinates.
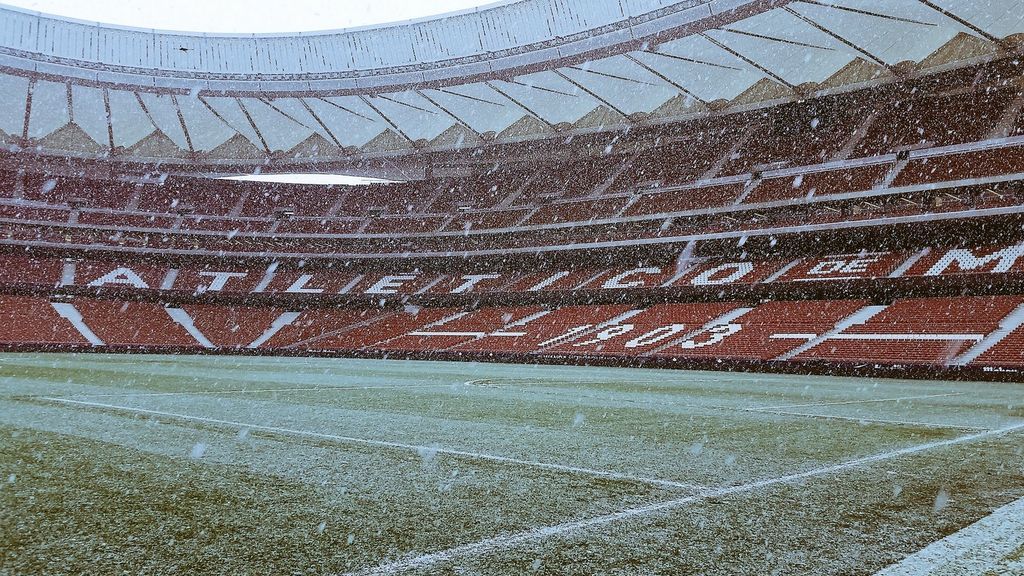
(780, 167)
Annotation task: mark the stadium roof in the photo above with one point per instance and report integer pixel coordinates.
(506, 72)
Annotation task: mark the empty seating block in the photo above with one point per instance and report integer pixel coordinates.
(962, 166)
(389, 225)
(766, 332)
(916, 121)
(21, 270)
(1008, 352)
(141, 324)
(918, 331)
(685, 200)
(461, 328)
(127, 220)
(856, 179)
(582, 211)
(33, 320)
(192, 196)
(320, 226)
(318, 324)
(799, 135)
(486, 220)
(231, 326)
(387, 326)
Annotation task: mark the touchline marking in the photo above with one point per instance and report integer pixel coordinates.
(518, 538)
(872, 401)
(486, 383)
(386, 444)
(243, 391)
(864, 420)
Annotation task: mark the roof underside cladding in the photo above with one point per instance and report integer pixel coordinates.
(98, 92)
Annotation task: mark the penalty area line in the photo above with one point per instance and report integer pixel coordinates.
(499, 543)
(418, 449)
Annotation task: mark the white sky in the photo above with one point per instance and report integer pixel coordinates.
(242, 16)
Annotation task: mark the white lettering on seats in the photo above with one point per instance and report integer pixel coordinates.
(827, 267)
(607, 334)
(390, 284)
(711, 277)
(472, 280)
(854, 266)
(859, 265)
(125, 276)
(219, 280)
(547, 281)
(966, 260)
(656, 335)
(715, 335)
(571, 333)
(299, 286)
(618, 281)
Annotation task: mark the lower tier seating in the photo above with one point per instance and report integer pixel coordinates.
(979, 330)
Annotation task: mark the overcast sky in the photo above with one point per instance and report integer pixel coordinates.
(241, 16)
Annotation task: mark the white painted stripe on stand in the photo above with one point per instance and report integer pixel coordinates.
(169, 278)
(909, 263)
(586, 329)
(268, 277)
(911, 337)
(71, 314)
(1008, 324)
(859, 317)
(186, 322)
(782, 271)
(285, 319)
(67, 276)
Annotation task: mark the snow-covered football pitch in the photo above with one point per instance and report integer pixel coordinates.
(118, 464)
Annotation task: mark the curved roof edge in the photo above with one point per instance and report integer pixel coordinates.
(486, 40)
(670, 65)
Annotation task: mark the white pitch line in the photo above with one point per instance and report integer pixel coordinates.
(482, 383)
(242, 391)
(868, 420)
(871, 401)
(511, 540)
(977, 549)
(387, 444)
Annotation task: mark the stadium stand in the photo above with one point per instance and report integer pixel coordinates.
(868, 213)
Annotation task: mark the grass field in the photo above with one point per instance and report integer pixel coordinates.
(225, 465)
